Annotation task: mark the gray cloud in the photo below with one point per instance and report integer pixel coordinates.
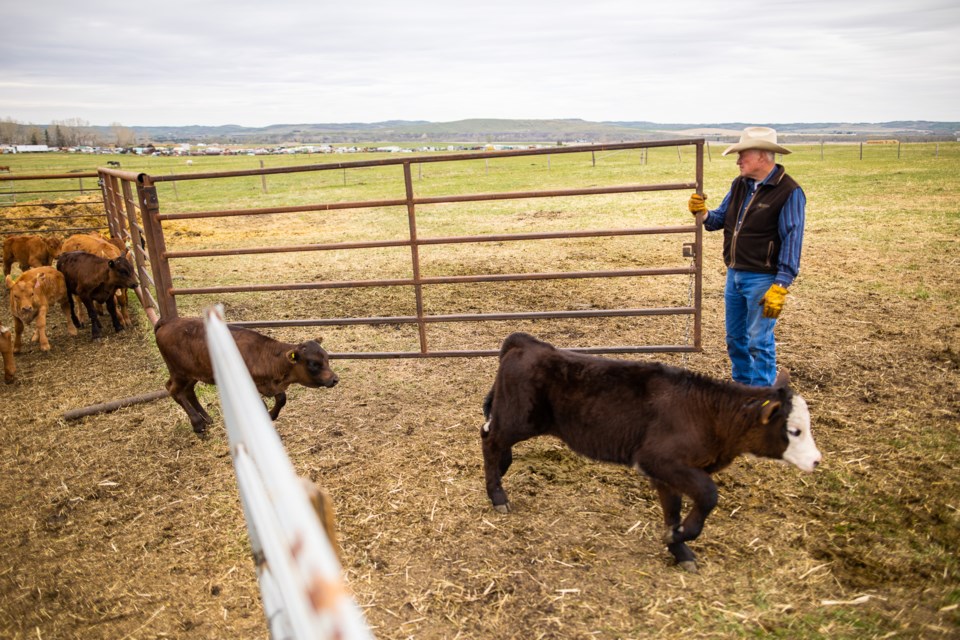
(255, 63)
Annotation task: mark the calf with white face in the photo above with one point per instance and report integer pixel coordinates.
(674, 426)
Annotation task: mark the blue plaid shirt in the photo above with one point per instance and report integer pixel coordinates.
(790, 227)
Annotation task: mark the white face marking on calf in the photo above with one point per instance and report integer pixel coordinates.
(802, 451)
(486, 427)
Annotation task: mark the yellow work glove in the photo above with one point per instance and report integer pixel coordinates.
(773, 301)
(697, 204)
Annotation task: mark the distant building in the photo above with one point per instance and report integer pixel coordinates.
(31, 148)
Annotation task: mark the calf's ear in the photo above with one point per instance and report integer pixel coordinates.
(10, 282)
(767, 409)
(293, 356)
(783, 379)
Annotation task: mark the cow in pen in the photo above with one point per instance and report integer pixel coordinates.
(95, 279)
(272, 364)
(674, 426)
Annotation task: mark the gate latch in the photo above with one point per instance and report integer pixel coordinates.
(689, 250)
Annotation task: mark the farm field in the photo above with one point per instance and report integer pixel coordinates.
(126, 525)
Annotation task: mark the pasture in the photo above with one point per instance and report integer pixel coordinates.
(126, 525)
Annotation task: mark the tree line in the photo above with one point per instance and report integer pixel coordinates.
(73, 132)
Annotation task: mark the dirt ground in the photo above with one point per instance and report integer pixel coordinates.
(126, 525)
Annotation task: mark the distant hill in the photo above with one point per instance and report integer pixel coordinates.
(503, 130)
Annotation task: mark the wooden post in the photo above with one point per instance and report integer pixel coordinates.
(937, 155)
(861, 151)
(679, 159)
(81, 186)
(709, 156)
(103, 407)
(344, 176)
(176, 196)
(263, 179)
(593, 158)
(898, 149)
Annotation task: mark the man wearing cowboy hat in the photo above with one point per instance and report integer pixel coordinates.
(762, 219)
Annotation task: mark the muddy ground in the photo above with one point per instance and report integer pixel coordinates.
(126, 525)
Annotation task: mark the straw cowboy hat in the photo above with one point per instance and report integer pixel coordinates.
(763, 138)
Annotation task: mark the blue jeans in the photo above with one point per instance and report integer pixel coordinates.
(750, 342)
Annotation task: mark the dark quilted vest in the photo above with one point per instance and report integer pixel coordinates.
(756, 246)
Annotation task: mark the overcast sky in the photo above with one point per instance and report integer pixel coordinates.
(312, 61)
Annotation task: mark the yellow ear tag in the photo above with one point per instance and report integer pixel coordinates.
(293, 356)
(765, 403)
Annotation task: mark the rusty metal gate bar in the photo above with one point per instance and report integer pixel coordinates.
(166, 293)
(122, 217)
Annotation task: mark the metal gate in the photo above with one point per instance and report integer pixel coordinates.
(123, 208)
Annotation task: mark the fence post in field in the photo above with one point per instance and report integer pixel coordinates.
(898, 149)
(176, 196)
(861, 151)
(80, 180)
(263, 179)
(679, 159)
(937, 154)
(709, 156)
(593, 158)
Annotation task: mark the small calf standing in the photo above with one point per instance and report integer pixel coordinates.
(108, 248)
(672, 425)
(29, 252)
(273, 365)
(6, 351)
(95, 279)
(30, 299)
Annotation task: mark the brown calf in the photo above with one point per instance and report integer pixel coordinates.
(6, 351)
(108, 248)
(672, 425)
(29, 251)
(31, 296)
(95, 279)
(273, 365)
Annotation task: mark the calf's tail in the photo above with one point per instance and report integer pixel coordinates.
(487, 408)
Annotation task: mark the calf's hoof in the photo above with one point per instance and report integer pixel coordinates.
(689, 566)
(502, 508)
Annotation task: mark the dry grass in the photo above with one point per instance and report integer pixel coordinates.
(126, 525)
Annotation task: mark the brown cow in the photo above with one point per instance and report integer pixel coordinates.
(109, 248)
(30, 298)
(672, 425)
(273, 365)
(95, 244)
(95, 279)
(6, 351)
(29, 251)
